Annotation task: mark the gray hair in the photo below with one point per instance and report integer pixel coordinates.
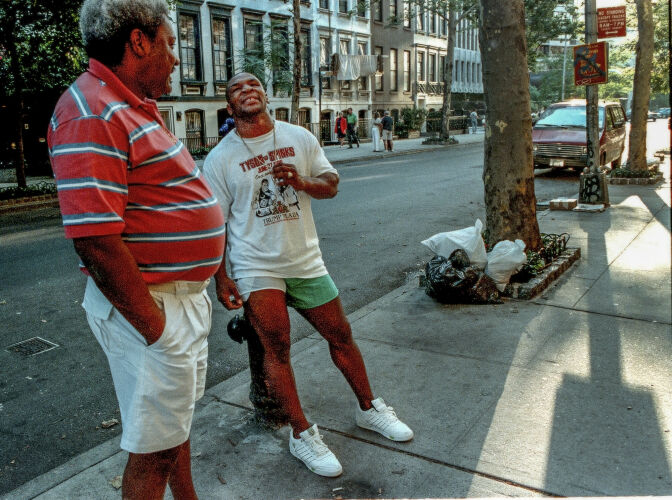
(106, 25)
(386, 112)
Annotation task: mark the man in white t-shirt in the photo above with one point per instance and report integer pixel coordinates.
(265, 175)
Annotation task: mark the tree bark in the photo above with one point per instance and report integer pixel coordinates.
(641, 89)
(294, 111)
(448, 76)
(508, 174)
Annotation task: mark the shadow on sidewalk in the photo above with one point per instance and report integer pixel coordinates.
(606, 437)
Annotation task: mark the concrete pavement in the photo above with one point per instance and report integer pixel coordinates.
(568, 394)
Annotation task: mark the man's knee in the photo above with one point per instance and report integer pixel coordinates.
(161, 462)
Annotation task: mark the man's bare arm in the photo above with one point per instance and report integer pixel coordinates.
(116, 274)
(227, 293)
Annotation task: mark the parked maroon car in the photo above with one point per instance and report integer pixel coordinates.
(559, 136)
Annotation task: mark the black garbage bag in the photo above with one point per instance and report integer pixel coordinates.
(456, 281)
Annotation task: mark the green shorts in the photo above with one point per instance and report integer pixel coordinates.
(300, 293)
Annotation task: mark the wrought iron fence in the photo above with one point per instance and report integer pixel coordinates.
(456, 123)
(200, 145)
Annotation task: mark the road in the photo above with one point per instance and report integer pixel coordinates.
(52, 404)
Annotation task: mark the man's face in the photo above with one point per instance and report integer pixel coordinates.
(246, 95)
(161, 62)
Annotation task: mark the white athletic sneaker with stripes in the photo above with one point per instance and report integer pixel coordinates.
(382, 419)
(310, 449)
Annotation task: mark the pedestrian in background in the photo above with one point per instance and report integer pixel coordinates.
(473, 116)
(352, 128)
(276, 262)
(376, 131)
(341, 128)
(117, 168)
(388, 126)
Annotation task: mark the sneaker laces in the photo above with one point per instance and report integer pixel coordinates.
(316, 444)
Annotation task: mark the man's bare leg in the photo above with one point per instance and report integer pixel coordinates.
(267, 312)
(146, 474)
(180, 480)
(330, 321)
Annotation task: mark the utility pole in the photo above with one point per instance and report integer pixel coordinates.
(593, 183)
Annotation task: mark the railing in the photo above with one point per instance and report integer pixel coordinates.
(429, 88)
(198, 145)
(456, 123)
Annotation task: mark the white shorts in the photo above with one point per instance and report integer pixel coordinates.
(157, 386)
(387, 135)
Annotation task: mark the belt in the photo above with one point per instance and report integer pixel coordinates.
(179, 287)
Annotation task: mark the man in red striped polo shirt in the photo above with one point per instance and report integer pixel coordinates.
(149, 233)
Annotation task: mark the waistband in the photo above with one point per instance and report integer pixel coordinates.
(179, 287)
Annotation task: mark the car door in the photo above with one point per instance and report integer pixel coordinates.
(618, 131)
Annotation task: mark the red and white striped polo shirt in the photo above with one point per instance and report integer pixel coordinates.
(120, 171)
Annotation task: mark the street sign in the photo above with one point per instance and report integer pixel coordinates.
(611, 22)
(591, 63)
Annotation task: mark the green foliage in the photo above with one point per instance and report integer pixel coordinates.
(11, 193)
(550, 88)
(42, 40)
(660, 76)
(552, 246)
(626, 172)
(271, 56)
(413, 118)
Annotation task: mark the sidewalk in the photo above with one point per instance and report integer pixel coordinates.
(568, 394)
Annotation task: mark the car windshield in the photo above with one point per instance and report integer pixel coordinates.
(567, 116)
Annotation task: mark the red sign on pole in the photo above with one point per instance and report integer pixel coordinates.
(611, 22)
(591, 64)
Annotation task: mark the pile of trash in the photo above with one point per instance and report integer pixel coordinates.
(463, 272)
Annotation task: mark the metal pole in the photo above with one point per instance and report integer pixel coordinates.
(319, 106)
(592, 96)
(564, 69)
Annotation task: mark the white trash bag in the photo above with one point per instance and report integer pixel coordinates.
(506, 258)
(468, 239)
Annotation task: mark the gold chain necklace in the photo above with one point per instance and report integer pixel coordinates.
(250, 149)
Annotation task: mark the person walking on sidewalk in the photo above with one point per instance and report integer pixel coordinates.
(276, 262)
(133, 201)
(352, 128)
(376, 129)
(388, 126)
(341, 128)
(473, 116)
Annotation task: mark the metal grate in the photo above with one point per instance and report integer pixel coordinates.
(33, 346)
(559, 150)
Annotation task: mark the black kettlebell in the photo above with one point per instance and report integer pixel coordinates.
(239, 328)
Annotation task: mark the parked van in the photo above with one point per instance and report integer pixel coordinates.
(559, 137)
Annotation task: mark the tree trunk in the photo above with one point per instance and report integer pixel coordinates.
(641, 89)
(448, 76)
(296, 87)
(508, 174)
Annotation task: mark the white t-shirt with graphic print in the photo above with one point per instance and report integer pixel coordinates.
(270, 228)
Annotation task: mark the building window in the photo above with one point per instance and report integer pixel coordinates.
(282, 77)
(468, 72)
(432, 67)
(194, 126)
(190, 47)
(362, 50)
(167, 117)
(393, 10)
(324, 4)
(444, 25)
(282, 114)
(379, 76)
(343, 6)
(407, 14)
(393, 69)
(221, 48)
(361, 8)
(306, 59)
(421, 19)
(407, 71)
(442, 68)
(304, 117)
(325, 59)
(432, 23)
(344, 46)
(377, 11)
(462, 78)
(421, 66)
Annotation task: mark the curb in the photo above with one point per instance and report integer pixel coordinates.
(640, 181)
(538, 284)
(18, 204)
(397, 153)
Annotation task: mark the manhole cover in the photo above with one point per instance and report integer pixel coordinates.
(33, 346)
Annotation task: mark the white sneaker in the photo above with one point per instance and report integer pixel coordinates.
(382, 419)
(310, 449)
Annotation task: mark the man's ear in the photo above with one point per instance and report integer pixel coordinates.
(139, 42)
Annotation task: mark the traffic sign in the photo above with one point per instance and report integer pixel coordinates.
(591, 63)
(611, 22)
